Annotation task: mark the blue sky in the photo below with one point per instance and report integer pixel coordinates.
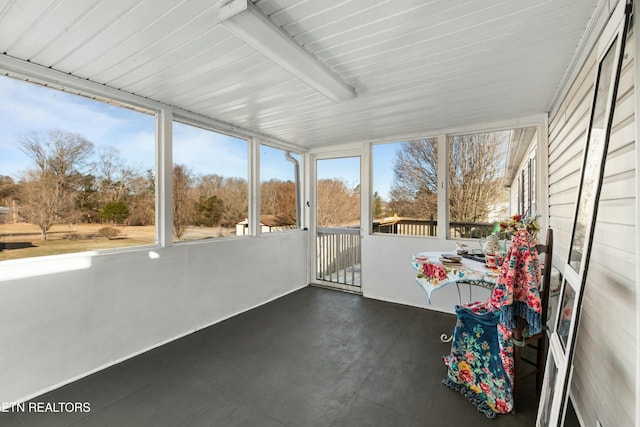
(348, 169)
(383, 157)
(27, 107)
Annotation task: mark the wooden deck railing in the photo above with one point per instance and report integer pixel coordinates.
(428, 227)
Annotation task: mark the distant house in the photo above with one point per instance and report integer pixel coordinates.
(498, 212)
(268, 224)
(5, 210)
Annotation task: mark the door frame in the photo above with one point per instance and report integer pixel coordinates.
(310, 206)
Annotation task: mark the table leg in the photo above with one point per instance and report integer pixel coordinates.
(444, 338)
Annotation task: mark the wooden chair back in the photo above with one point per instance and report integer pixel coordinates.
(537, 341)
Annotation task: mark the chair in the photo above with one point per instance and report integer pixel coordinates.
(538, 342)
(483, 364)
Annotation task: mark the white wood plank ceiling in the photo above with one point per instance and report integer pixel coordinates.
(417, 65)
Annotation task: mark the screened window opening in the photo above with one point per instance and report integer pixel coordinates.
(477, 194)
(210, 183)
(278, 188)
(76, 174)
(405, 187)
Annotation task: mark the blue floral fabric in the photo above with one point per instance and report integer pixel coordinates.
(480, 364)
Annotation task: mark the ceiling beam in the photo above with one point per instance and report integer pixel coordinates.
(244, 20)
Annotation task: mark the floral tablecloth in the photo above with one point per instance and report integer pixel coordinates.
(432, 275)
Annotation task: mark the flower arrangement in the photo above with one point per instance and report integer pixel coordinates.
(519, 222)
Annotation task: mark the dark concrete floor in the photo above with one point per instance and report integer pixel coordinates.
(316, 357)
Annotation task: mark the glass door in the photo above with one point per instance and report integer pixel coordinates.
(337, 223)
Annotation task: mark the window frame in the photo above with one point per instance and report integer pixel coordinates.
(297, 182)
(164, 114)
(440, 228)
(69, 85)
(252, 175)
(443, 217)
(553, 401)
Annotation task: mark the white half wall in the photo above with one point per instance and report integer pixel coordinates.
(66, 316)
(387, 273)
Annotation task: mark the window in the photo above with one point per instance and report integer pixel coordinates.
(405, 187)
(278, 211)
(522, 193)
(533, 191)
(75, 174)
(527, 187)
(405, 195)
(477, 194)
(210, 183)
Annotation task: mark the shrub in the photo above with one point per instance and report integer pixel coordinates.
(109, 232)
(114, 212)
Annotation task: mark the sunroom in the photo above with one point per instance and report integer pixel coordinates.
(172, 168)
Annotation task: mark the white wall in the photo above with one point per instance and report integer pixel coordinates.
(97, 310)
(604, 378)
(387, 273)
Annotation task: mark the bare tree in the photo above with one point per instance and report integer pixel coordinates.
(109, 160)
(278, 198)
(338, 205)
(208, 185)
(235, 196)
(415, 184)
(475, 166)
(47, 192)
(87, 199)
(182, 203)
(7, 187)
(115, 175)
(63, 153)
(42, 200)
(142, 196)
(8, 192)
(120, 182)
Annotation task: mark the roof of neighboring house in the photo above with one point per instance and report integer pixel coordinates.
(272, 221)
(396, 219)
(4, 210)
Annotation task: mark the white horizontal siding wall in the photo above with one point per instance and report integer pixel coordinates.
(603, 386)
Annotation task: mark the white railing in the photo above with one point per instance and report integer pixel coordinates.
(338, 258)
